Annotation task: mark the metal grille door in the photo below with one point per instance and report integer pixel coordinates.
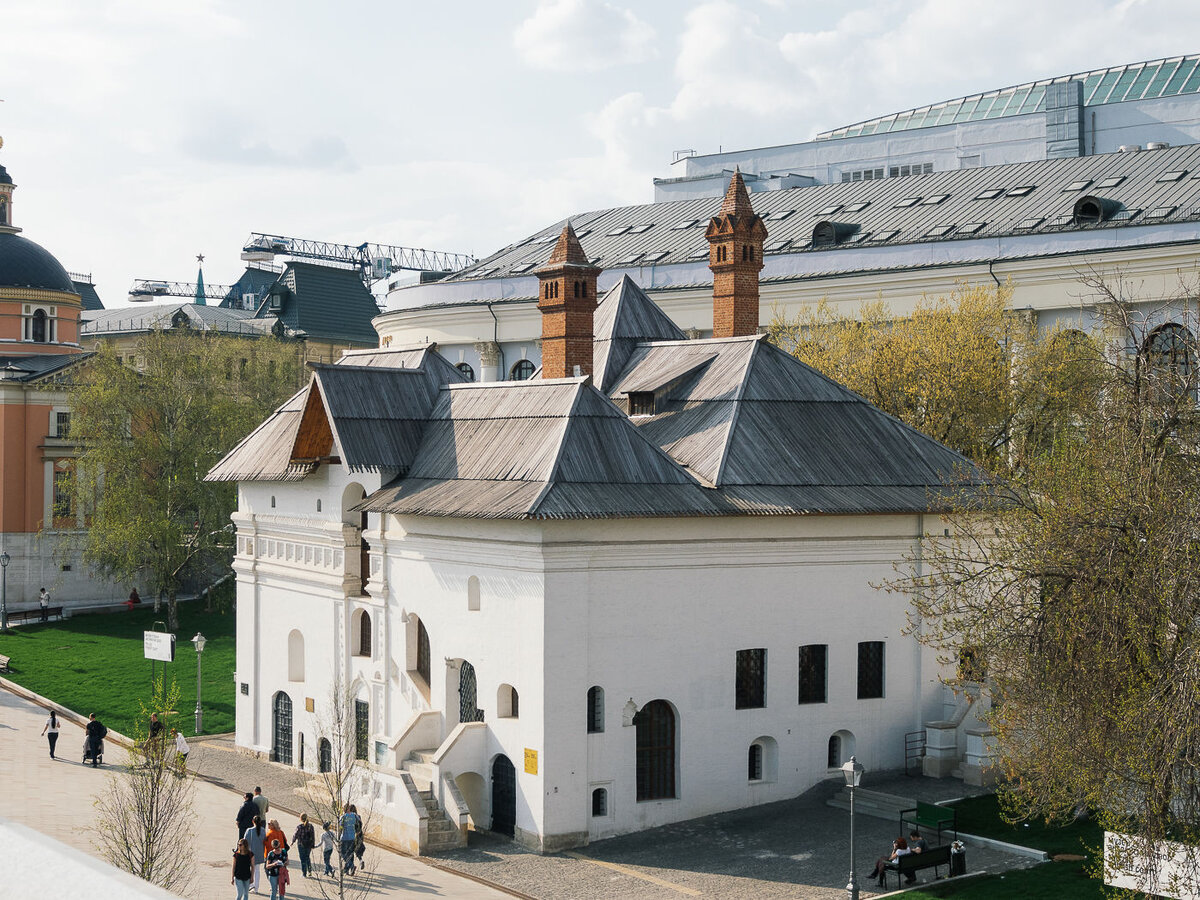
(504, 796)
(655, 724)
(423, 666)
(468, 706)
(281, 750)
(362, 727)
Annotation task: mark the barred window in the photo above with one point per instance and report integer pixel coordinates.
(814, 668)
(870, 669)
(600, 802)
(595, 710)
(641, 403)
(751, 679)
(755, 763)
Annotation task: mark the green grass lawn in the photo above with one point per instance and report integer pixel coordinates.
(1050, 881)
(95, 663)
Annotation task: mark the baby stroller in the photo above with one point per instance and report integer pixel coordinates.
(88, 751)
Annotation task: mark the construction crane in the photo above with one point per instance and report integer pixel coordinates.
(373, 261)
(147, 289)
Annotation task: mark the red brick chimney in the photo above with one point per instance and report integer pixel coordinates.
(735, 243)
(567, 299)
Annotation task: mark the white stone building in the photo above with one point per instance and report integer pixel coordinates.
(635, 590)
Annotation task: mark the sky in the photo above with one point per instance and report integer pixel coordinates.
(141, 133)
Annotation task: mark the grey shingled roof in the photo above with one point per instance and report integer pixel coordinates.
(137, 320)
(624, 317)
(36, 367)
(265, 454)
(633, 237)
(88, 298)
(325, 303)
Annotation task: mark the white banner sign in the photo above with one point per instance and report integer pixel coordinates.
(159, 645)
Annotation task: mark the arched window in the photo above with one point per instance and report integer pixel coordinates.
(507, 703)
(600, 802)
(423, 664)
(281, 728)
(473, 593)
(1168, 356)
(295, 656)
(324, 756)
(364, 634)
(835, 751)
(755, 763)
(466, 369)
(39, 326)
(762, 760)
(655, 723)
(523, 370)
(595, 710)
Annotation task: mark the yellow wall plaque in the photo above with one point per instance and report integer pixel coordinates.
(309, 705)
(530, 761)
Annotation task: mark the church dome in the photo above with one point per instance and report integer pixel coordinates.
(26, 264)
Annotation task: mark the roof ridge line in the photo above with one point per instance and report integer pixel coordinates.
(558, 451)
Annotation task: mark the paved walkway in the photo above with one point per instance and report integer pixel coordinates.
(55, 797)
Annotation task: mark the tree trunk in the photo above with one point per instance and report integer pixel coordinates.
(157, 602)
(172, 612)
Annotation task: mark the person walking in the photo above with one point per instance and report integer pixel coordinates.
(275, 857)
(304, 838)
(275, 833)
(327, 843)
(181, 751)
(245, 815)
(261, 802)
(44, 603)
(96, 733)
(256, 837)
(50, 730)
(350, 825)
(243, 865)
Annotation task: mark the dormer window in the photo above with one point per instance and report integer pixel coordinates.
(641, 403)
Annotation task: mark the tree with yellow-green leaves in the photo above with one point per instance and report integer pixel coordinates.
(148, 435)
(1074, 588)
(964, 369)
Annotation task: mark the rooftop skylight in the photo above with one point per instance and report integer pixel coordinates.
(684, 224)
(1177, 175)
(780, 215)
(524, 267)
(1124, 215)
(857, 207)
(629, 260)
(939, 231)
(1023, 191)
(858, 237)
(1077, 185)
(641, 229)
(989, 194)
(1110, 182)
(1160, 212)
(906, 202)
(778, 246)
(656, 255)
(1030, 223)
(698, 254)
(829, 210)
(617, 231)
(971, 227)
(934, 200)
(880, 236)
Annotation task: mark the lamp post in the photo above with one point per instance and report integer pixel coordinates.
(4, 561)
(198, 642)
(853, 771)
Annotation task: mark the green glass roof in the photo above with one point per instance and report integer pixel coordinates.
(1136, 81)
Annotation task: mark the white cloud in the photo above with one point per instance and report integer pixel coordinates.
(589, 35)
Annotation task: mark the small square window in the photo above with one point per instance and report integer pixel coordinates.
(971, 227)
(480, 273)
(1077, 185)
(1172, 176)
(656, 255)
(1110, 182)
(641, 403)
(684, 225)
(1160, 212)
(858, 237)
(1027, 224)
(939, 231)
(641, 229)
(629, 260)
(245, 689)
(857, 207)
(780, 215)
(617, 231)
(880, 236)
(524, 267)
(778, 246)
(1060, 221)
(829, 210)
(989, 194)
(698, 254)
(934, 200)
(582, 234)
(906, 202)
(1124, 215)
(1023, 191)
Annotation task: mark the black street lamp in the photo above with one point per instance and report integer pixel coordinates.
(198, 642)
(853, 771)
(4, 561)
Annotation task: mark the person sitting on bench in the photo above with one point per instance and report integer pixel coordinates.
(899, 849)
(916, 844)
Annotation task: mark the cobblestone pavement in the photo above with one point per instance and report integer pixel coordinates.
(55, 797)
(796, 849)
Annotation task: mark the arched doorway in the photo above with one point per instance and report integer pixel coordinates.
(655, 723)
(468, 700)
(324, 756)
(504, 796)
(281, 729)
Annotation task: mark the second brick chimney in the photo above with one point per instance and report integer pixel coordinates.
(567, 300)
(735, 244)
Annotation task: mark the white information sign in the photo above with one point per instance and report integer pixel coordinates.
(1168, 870)
(159, 645)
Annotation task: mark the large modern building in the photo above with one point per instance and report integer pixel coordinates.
(1030, 185)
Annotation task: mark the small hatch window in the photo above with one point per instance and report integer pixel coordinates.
(829, 210)
(989, 194)
(857, 207)
(656, 255)
(698, 254)
(906, 202)
(641, 403)
(480, 273)
(780, 215)
(1027, 224)
(778, 246)
(1110, 182)
(641, 229)
(684, 225)
(617, 231)
(524, 267)
(629, 260)
(1023, 191)
(971, 227)
(1124, 215)
(881, 236)
(939, 231)
(1077, 185)
(1172, 176)
(1161, 212)
(934, 200)
(858, 237)
(1060, 221)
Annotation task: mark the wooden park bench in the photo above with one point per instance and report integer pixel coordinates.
(911, 863)
(930, 815)
(3, 663)
(35, 615)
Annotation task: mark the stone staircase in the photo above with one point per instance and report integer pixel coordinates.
(871, 803)
(443, 834)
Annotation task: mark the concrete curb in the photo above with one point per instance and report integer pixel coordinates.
(1014, 849)
(63, 713)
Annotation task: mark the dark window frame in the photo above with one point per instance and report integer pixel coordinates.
(813, 680)
(872, 657)
(750, 675)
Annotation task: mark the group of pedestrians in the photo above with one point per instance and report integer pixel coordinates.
(263, 847)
